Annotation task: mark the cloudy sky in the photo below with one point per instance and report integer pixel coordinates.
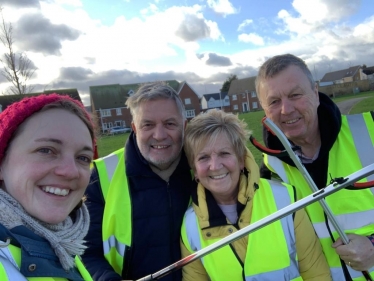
(82, 43)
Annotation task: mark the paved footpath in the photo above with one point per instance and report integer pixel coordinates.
(346, 106)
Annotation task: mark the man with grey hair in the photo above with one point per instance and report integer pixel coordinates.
(330, 145)
(138, 194)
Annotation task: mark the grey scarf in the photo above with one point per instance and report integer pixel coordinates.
(66, 238)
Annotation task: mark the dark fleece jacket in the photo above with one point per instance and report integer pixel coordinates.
(329, 122)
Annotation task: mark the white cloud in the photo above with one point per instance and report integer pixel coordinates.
(316, 15)
(251, 38)
(223, 7)
(74, 3)
(152, 8)
(159, 41)
(244, 24)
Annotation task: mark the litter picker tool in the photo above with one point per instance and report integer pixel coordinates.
(320, 194)
(270, 125)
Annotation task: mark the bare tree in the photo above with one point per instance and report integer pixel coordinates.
(18, 68)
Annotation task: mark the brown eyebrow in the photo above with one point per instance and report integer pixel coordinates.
(60, 142)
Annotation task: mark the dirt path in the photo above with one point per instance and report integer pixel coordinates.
(346, 106)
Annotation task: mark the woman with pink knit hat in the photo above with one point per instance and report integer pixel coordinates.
(46, 148)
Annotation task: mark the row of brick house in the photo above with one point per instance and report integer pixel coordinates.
(241, 97)
(108, 101)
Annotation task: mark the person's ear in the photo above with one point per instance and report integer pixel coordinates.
(133, 127)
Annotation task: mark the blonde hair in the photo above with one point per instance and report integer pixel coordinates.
(206, 127)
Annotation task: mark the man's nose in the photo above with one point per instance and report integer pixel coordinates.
(287, 107)
(159, 132)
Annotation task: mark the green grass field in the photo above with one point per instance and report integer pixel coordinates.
(108, 144)
(363, 106)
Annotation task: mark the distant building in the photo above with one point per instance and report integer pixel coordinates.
(108, 102)
(7, 100)
(215, 100)
(243, 96)
(350, 74)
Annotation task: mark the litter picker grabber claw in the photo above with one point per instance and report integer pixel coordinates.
(275, 130)
(320, 194)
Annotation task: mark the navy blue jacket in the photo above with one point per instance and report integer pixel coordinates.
(158, 210)
(37, 251)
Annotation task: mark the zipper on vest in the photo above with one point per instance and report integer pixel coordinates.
(237, 257)
(344, 266)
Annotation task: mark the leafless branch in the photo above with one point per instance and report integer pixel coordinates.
(18, 68)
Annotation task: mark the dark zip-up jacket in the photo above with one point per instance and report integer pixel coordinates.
(158, 208)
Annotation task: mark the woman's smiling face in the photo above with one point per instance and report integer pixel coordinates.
(218, 169)
(47, 165)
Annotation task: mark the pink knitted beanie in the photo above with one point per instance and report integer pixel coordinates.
(15, 114)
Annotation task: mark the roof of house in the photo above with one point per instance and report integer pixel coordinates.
(9, 99)
(216, 96)
(239, 86)
(368, 70)
(115, 95)
(340, 74)
(181, 85)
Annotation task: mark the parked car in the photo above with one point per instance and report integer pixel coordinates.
(119, 130)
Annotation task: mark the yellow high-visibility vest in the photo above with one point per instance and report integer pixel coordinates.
(353, 209)
(117, 223)
(275, 240)
(10, 262)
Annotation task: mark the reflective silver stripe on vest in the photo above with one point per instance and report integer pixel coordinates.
(356, 274)
(280, 274)
(277, 166)
(112, 242)
(111, 162)
(282, 200)
(192, 231)
(5, 253)
(362, 141)
(12, 272)
(347, 221)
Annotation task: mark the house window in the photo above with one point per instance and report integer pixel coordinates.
(105, 112)
(110, 125)
(253, 95)
(190, 113)
(105, 126)
(234, 97)
(254, 104)
(118, 111)
(118, 123)
(235, 107)
(243, 95)
(187, 101)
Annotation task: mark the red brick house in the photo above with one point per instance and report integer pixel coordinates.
(243, 96)
(190, 100)
(108, 102)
